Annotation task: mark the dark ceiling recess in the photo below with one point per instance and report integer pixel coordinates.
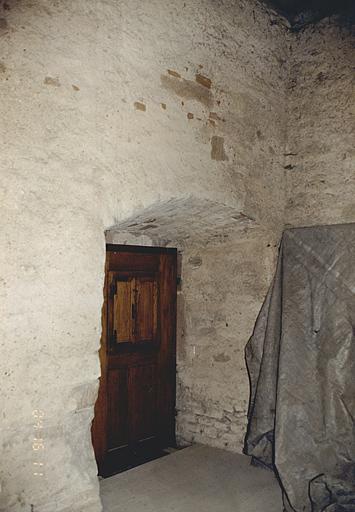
(302, 12)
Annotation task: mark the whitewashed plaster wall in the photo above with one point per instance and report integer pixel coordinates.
(226, 269)
(222, 289)
(95, 127)
(320, 152)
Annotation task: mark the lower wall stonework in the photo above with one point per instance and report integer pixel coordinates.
(222, 290)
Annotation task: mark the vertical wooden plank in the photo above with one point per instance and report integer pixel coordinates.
(117, 408)
(122, 310)
(146, 308)
(167, 353)
(142, 390)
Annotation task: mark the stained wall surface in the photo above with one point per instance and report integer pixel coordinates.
(108, 107)
(320, 170)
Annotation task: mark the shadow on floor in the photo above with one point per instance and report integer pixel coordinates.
(133, 460)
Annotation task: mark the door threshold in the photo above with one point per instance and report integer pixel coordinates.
(139, 460)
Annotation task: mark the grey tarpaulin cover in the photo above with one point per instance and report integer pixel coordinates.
(301, 363)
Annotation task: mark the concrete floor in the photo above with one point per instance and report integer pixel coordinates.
(196, 479)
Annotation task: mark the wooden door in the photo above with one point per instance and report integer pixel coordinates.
(135, 409)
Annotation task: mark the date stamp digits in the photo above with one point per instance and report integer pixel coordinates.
(38, 443)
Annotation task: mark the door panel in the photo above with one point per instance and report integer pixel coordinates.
(143, 402)
(146, 308)
(117, 426)
(136, 403)
(122, 310)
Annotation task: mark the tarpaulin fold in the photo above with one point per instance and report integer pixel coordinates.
(301, 364)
